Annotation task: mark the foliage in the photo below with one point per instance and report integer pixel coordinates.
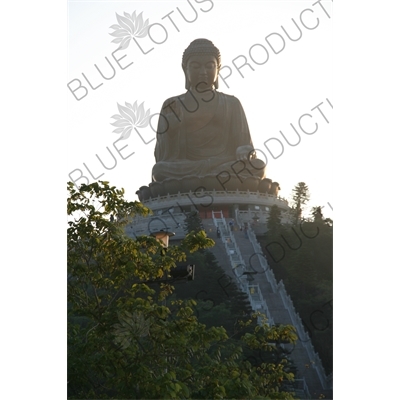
(193, 222)
(300, 196)
(219, 300)
(316, 212)
(221, 303)
(129, 340)
(274, 221)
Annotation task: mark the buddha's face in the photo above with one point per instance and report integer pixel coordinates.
(202, 72)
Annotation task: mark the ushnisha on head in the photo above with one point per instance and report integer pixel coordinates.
(201, 62)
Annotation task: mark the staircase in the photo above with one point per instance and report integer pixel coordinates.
(241, 257)
(240, 271)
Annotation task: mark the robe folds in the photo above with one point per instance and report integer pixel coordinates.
(211, 149)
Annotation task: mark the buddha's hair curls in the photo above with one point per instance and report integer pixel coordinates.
(200, 47)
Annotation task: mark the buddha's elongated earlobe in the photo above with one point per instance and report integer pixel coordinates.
(216, 83)
(187, 83)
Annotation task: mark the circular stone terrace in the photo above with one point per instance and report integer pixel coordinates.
(170, 211)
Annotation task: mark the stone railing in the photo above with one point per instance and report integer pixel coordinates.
(305, 339)
(262, 260)
(239, 267)
(257, 301)
(214, 197)
(231, 247)
(263, 216)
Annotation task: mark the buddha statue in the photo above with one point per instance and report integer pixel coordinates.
(203, 133)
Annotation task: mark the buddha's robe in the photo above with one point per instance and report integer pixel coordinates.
(208, 150)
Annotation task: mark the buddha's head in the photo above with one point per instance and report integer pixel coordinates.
(201, 63)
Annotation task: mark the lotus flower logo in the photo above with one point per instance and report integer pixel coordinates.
(130, 26)
(131, 115)
(130, 326)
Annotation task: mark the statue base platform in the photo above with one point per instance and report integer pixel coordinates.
(208, 183)
(170, 211)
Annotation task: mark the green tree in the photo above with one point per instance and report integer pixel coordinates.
(316, 212)
(193, 222)
(300, 196)
(274, 225)
(218, 290)
(123, 339)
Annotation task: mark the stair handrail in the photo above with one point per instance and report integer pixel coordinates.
(243, 283)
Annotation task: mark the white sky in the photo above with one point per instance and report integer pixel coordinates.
(273, 96)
